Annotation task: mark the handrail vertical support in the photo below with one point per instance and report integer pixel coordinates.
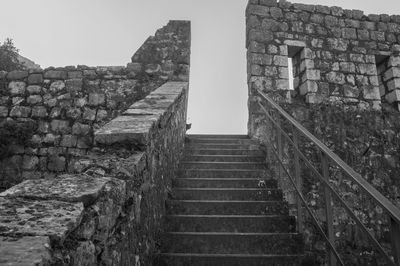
(328, 208)
(280, 151)
(395, 237)
(299, 181)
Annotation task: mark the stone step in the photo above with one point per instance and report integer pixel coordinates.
(230, 243)
(223, 158)
(220, 136)
(224, 152)
(222, 173)
(224, 183)
(231, 146)
(255, 194)
(223, 207)
(223, 165)
(231, 223)
(205, 140)
(201, 259)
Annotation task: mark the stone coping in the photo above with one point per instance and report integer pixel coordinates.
(135, 124)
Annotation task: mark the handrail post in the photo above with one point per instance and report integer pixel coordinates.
(395, 237)
(328, 208)
(280, 152)
(299, 181)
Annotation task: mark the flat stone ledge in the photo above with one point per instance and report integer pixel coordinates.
(135, 124)
(22, 217)
(68, 188)
(24, 251)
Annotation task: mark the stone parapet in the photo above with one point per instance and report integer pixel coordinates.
(111, 210)
(67, 105)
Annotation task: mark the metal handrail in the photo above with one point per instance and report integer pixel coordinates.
(327, 154)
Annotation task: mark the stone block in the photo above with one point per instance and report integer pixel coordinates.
(306, 53)
(17, 74)
(89, 114)
(20, 111)
(75, 74)
(337, 44)
(256, 70)
(260, 59)
(258, 10)
(57, 86)
(35, 79)
(74, 85)
(357, 58)
(283, 73)
(349, 33)
(39, 112)
(311, 74)
(57, 163)
(351, 91)
(68, 141)
(50, 138)
(256, 47)
(276, 12)
(17, 87)
(347, 67)
(53, 218)
(268, 2)
(258, 36)
(55, 74)
(335, 77)
(30, 162)
(60, 126)
(80, 129)
(3, 111)
(25, 250)
(271, 71)
(34, 89)
(73, 113)
(393, 84)
(323, 9)
(378, 36)
(281, 60)
(371, 93)
(313, 98)
(394, 61)
(308, 87)
(393, 96)
(306, 64)
(282, 84)
(367, 69)
(34, 99)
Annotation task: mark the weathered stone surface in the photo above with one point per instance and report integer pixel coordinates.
(260, 59)
(17, 74)
(68, 188)
(55, 74)
(39, 218)
(35, 79)
(26, 250)
(96, 99)
(335, 77)
(20, 111)
(39, 111)
(17, 87)
(57, 86)
(60, 126)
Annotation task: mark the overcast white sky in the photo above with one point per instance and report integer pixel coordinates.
(108, 32)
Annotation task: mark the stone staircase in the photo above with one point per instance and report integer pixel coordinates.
(225, 211)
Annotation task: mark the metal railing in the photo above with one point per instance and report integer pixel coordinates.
(274, 114)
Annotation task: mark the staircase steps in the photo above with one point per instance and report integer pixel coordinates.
(224, 209)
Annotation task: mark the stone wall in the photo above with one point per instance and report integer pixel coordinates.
(110, 211)
(68, 104)
(338, 55)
